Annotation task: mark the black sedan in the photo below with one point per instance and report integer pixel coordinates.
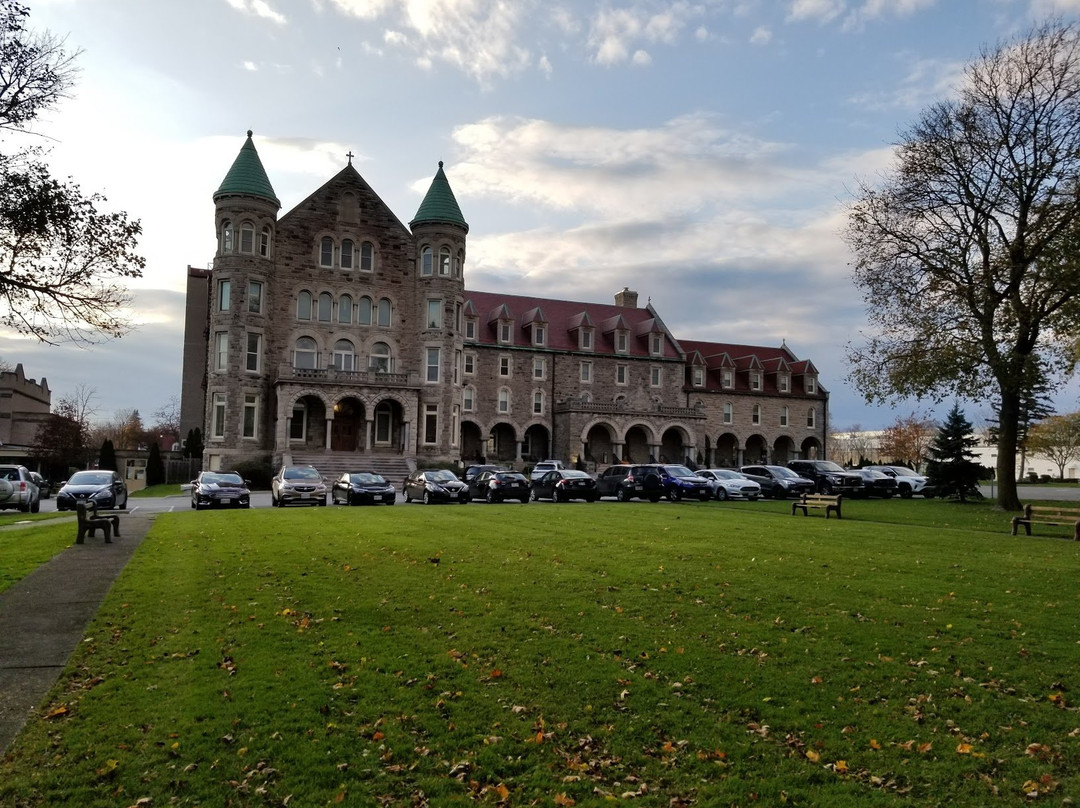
(496, 486)
(561, 485)
(105, 488)
(362, 488)
(220, 489)
(877, 484)
(440, 485)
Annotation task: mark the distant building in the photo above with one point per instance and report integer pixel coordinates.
(24, 405)
(335, 334)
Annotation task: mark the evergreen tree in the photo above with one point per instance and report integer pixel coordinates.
(155, 466)
(107, 456)
(952, 469)
(193, 444)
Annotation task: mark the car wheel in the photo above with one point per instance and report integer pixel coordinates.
(721, 493)
(408, 496)
(906, 492)
(490, 497)
(826, 488)
(25, 507)
(674, 494)
(621, 495)
(35, 506)
(427, 498)
(524, 500)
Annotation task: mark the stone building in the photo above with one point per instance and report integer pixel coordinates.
(24, 405)
(335, 335)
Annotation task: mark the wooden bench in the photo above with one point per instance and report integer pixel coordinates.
(89, 522)
(1048, 515)
(830, 503)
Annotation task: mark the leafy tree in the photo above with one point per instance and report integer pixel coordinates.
(62, 262)
(107, 456)
(60, 442)
(952, 469)
(155, 466)
(193, 443)
(1057, 438)
(967, 252)
(907, 440)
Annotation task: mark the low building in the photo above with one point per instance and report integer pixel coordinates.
(24, 405)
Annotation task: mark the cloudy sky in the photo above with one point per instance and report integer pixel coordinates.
(700, 152)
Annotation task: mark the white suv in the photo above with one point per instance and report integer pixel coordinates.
(543, 467)
(18, 489)
(908, 482)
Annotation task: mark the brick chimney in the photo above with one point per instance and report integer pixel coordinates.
(626, 298)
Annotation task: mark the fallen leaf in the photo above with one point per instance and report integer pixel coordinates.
(963, 749)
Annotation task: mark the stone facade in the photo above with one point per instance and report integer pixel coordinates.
(337, 331)
(24, 405)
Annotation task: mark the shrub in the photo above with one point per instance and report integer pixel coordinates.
(256, 470)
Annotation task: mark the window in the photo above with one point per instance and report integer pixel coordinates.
(455, 424)
(221, 350)
(344, 310)
(226, 236)
(622, 344)
(303, 306)
(504, 366)
(457, 367)
(755, 380)
(505, 335)
(657, 346)
(783, 382)
(305, 353)
(224, 289)
(504, 400)
(251, 416)
(538, 402)
(264, 242)
(727, 378)
(755, 416)
(363, 311)
(621, 374)
(459, 259)
(811, 417)
(326, 307)
(811, 384)
(298, 422)
(434, 314)
(326, 252)
(586, 372)
(539, 367)
(432, 362)
(344, 358)
(585, 339)
(470, 364)
(444, 261)
(539, 335)
(655, 376)
(468, 399)
(384, 420)
(729, 413)
(470, 328)
(346, 254)
(431, 423)
(247, 238)
(427, 262)
(367, 256)
(384, 313)
(784, 417)
(217, 418)
(457, 317)
(254, 352)
(255, 290)
(699, 377)
(380, 360)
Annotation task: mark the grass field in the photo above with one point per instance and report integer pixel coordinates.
(661, 655)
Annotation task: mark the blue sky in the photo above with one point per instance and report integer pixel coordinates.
(700, 152)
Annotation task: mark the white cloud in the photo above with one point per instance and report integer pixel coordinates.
(820, 10)
(258, 8)
(761, 36)
(927, 80)
(614, 32)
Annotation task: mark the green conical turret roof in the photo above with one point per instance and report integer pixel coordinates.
(439, 204)
(247, 176)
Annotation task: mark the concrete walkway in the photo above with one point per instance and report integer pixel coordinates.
(43, 617)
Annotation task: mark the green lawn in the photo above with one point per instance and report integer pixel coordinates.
(711, 654)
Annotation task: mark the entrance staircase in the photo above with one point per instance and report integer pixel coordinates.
(332, 465)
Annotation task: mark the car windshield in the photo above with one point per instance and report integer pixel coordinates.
(442, 476)
(900, 471)
(222, 479)
(90, 478)
(723, 474)
(576, 475)
(780, 471)
(301, 474)
(679, 471)
(367, 477)
(828, 465)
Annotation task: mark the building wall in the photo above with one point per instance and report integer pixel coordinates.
(24, 404)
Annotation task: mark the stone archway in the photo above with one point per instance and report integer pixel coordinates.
(600, 445)
(537, 443)
(503, 444)
(811, 449)
(472, 442)
(673, 446)
(757, 450)
(726, 452)
(636, 445)
(783, 450)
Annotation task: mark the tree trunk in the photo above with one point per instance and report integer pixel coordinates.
(1008, 427)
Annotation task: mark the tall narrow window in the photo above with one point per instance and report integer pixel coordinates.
(226, 237)
(224, 295)
(344, 309)
(217, 425)
(539, 367)
(251, 416)
(755, 380)
(539, 335)
(384, 423)
(367, 256)
(811, 384)
(247, 238)
(427, 262)
(504, 366)
(221, 350)
(303, 306)
(305, 354)
(470, 328)
(326, 307)
(505, 335)
(621, 374)
(621, 342)
(468, 399)
(655, 376)
(504, 401)
(783, 383)
(586, 372)
(727, 378)
(811, 417)
(729, 413)
(346, 254)
(755, 415)
(254, 352)
(699, 377)
(255, 293)
(431, 423)
(432, 363)
(326, 252)
(586, 339)
(384, 313)
(455, 424)
(264, 242)
(470, 364)
(363, 311)
(444, 261)
(538, 402)
(298, 423)
(784, 417)
(434, 314)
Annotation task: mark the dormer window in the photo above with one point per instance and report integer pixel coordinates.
(811, 384)
(622, 342)
(470, 328)
(656, 345)
(585, 339)
(783, 383)
(755, 380)
(699, 377)
(326, 252)
(539, 334)
(727, 378)
(506, 336)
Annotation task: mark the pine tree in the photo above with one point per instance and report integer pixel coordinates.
(107, 456)
(193, 444)
(952, 469)
(155, 466)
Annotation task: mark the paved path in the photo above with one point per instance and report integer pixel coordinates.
(44, 616)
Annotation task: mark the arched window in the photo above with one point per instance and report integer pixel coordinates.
(264, 242)
(444, 261)
(326, 307)
(380, 359)
(459, 260)
(247, 238)
(384, 313)
(343, 355)
(346, 254)
(811, 417)
(306, 353)
(303, 306)
(344, 309)
(426, 261)
(367, 256)
(363, 311)
(468, 399)
(326, 252)
(538, 402)
(226, 236)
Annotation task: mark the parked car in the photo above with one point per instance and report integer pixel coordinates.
(681, 483)
(625, 482)
(44, 486)
(908, 482)
(220, 489)
(543, 467)
(440, 485)
(828, 477)
(472, 472)
(104, 488)
(18, 489)
(301, 485)
(877, 484)
(496, 486)
(561, 485)
(730, 484)
(362, 488)
(778, 482)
